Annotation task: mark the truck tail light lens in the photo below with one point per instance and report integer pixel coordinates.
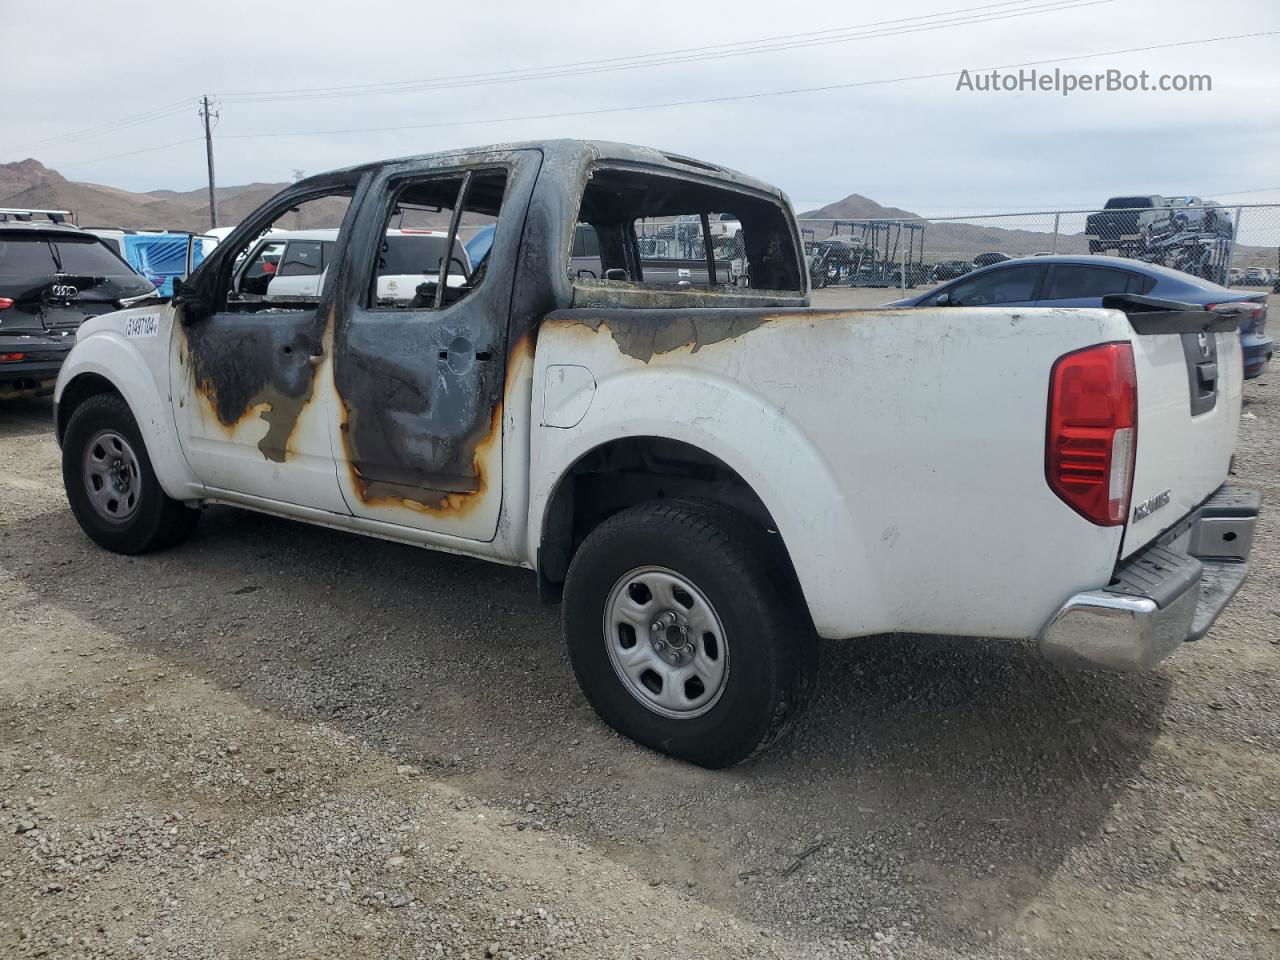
(1093, 431)
(5, 303)
(12, 357)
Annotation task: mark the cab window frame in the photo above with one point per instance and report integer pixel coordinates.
(719, 197)
(391, 189)
(213, 280)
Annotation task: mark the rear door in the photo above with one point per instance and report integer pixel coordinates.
(421, 371)
(1080, 285)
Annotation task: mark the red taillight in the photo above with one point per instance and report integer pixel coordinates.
(1093, 431)
(1253, 315)
(12, 357)
(5, 303)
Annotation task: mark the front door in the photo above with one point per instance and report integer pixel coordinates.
(251, 380)
(420, 347)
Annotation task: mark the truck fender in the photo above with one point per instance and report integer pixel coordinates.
(108, 355)
(749, 434)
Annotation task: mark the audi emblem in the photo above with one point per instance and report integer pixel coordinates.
(63, 291)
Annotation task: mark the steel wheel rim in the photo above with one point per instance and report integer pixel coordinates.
(111, 476)
(666, 642)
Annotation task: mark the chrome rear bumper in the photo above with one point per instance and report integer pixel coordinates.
(1169, 593)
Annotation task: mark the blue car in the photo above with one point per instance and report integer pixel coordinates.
(1081, 281)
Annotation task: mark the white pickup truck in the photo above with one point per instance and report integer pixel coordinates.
(707, 476)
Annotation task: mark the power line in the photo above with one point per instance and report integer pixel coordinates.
(609, 60)
(877, 30)
(961, 16)
(728, 98)
(132, 153)
(1240, 193)
(112, 126)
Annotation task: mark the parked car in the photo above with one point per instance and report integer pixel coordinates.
(292, 263)
(707, 478)
(52, 278)
(1128, 221)
(987, 259)
(1217, 219)
(1255, 276)
(950, 269)
(836, 261)
(1081, 281)
(1198, 216)
(1186, 213)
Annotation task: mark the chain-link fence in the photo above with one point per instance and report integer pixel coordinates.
(1234, 246)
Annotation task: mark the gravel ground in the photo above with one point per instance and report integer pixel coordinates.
(283, 741)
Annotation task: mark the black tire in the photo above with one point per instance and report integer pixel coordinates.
(770, 643)
(158, 521)
(1095, 246)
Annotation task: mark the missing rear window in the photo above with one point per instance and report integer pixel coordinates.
(648, 230)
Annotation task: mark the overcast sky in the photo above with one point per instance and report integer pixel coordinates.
(918, 144)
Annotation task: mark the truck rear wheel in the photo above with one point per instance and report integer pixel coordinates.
(685, 631)
(111, 485)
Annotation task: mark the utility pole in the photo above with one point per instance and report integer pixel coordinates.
(297, 211)
(209, 117)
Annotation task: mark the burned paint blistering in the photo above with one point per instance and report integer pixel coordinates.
(245, 368)
(420, 395)
(644, 334)
(425, 442)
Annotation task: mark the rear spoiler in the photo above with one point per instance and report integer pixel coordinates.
(1152, 315)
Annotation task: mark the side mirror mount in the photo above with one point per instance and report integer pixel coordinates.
(194, 307)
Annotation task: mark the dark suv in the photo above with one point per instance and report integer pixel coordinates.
(52, 279)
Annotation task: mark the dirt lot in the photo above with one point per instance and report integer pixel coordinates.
(282, 741)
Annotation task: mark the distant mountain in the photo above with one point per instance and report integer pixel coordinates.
(945, 240)
(856, 207)
(29, 183)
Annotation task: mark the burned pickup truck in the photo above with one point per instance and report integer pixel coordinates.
(708, 477)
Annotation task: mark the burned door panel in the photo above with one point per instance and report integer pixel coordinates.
(241, 365)
(419, 400)
(251, 380)
(252, 407)
(420, 383)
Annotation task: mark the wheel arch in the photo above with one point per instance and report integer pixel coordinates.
(105, 364)
(799, 501)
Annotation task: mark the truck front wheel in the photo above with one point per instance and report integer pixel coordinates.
(111, 485)
(685, 631)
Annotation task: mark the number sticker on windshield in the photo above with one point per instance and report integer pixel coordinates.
(147, 325)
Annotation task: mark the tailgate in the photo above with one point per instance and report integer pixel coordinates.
(1190, 383)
